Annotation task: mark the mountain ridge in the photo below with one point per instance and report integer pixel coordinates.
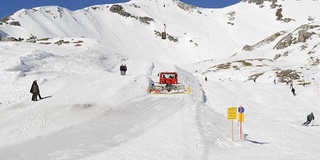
(221, 31)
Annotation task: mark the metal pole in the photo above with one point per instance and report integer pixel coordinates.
(240, 130)
(232, 128)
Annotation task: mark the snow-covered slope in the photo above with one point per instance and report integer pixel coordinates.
(199, 33)
(90, 111)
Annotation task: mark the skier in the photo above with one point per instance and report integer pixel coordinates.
(274, 81)
(254, 79)
(310, 117)
(124, 69)
(35, 91)
(293, 91)
(205, 78)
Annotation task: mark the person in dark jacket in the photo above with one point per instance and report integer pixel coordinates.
(293, 91)
(121, 69)
(310, 117)
(35, 91)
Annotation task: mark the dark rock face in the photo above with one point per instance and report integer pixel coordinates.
(300, 35)
(259, 2)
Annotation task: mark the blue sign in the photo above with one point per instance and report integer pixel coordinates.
(240, 109)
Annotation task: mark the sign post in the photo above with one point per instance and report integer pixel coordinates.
(232, 114)
(241, 119)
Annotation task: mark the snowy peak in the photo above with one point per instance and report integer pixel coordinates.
(224, 32)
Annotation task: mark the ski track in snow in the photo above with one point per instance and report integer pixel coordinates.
(112, 129)
(91, 112)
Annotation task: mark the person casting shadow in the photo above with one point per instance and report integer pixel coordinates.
(310, 117)
(35, 91)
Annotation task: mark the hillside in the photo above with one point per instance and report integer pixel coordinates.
(90, 111)
(220, 32)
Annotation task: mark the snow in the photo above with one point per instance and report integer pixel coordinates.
(91, 112)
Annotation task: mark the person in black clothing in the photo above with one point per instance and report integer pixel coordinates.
(35, 91)
(310, 117)
(293, 91)
(121, 70)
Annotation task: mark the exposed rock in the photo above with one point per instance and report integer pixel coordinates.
(300, 35)
(15, 23)
(5, 19)
(287, 20)
(313, 50)
(259, 2)
(186, 7)
(277, 56)
(116, 8)
(145, 20)
(279, 14)
(314, 61)
(285, 75)
(311, 19)
(264, 42)
(284, 42)
(247, 48)
(304, 35)
(121, 11)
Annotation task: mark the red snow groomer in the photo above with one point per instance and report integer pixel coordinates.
(168, 84)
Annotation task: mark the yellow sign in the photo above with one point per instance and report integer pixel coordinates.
(232, 113)
(240, 117)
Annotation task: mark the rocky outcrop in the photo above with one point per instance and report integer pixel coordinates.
(186, 7)
(264, 42)
(279, 14)
(284, 42)
(10, 21)
(259, 2)
(300, 35)
(121, 11)
(15, 23)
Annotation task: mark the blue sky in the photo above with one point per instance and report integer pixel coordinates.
(8, 7)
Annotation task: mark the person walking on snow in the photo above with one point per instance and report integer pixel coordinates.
(121, 69)
(35, 91)
(293, 91)
(310, 117)
(254, 79)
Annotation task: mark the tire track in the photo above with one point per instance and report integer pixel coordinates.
(115, 127)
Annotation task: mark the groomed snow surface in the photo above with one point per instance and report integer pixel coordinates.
(90, 111)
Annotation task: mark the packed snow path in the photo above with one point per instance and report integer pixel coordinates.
(113, 128)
